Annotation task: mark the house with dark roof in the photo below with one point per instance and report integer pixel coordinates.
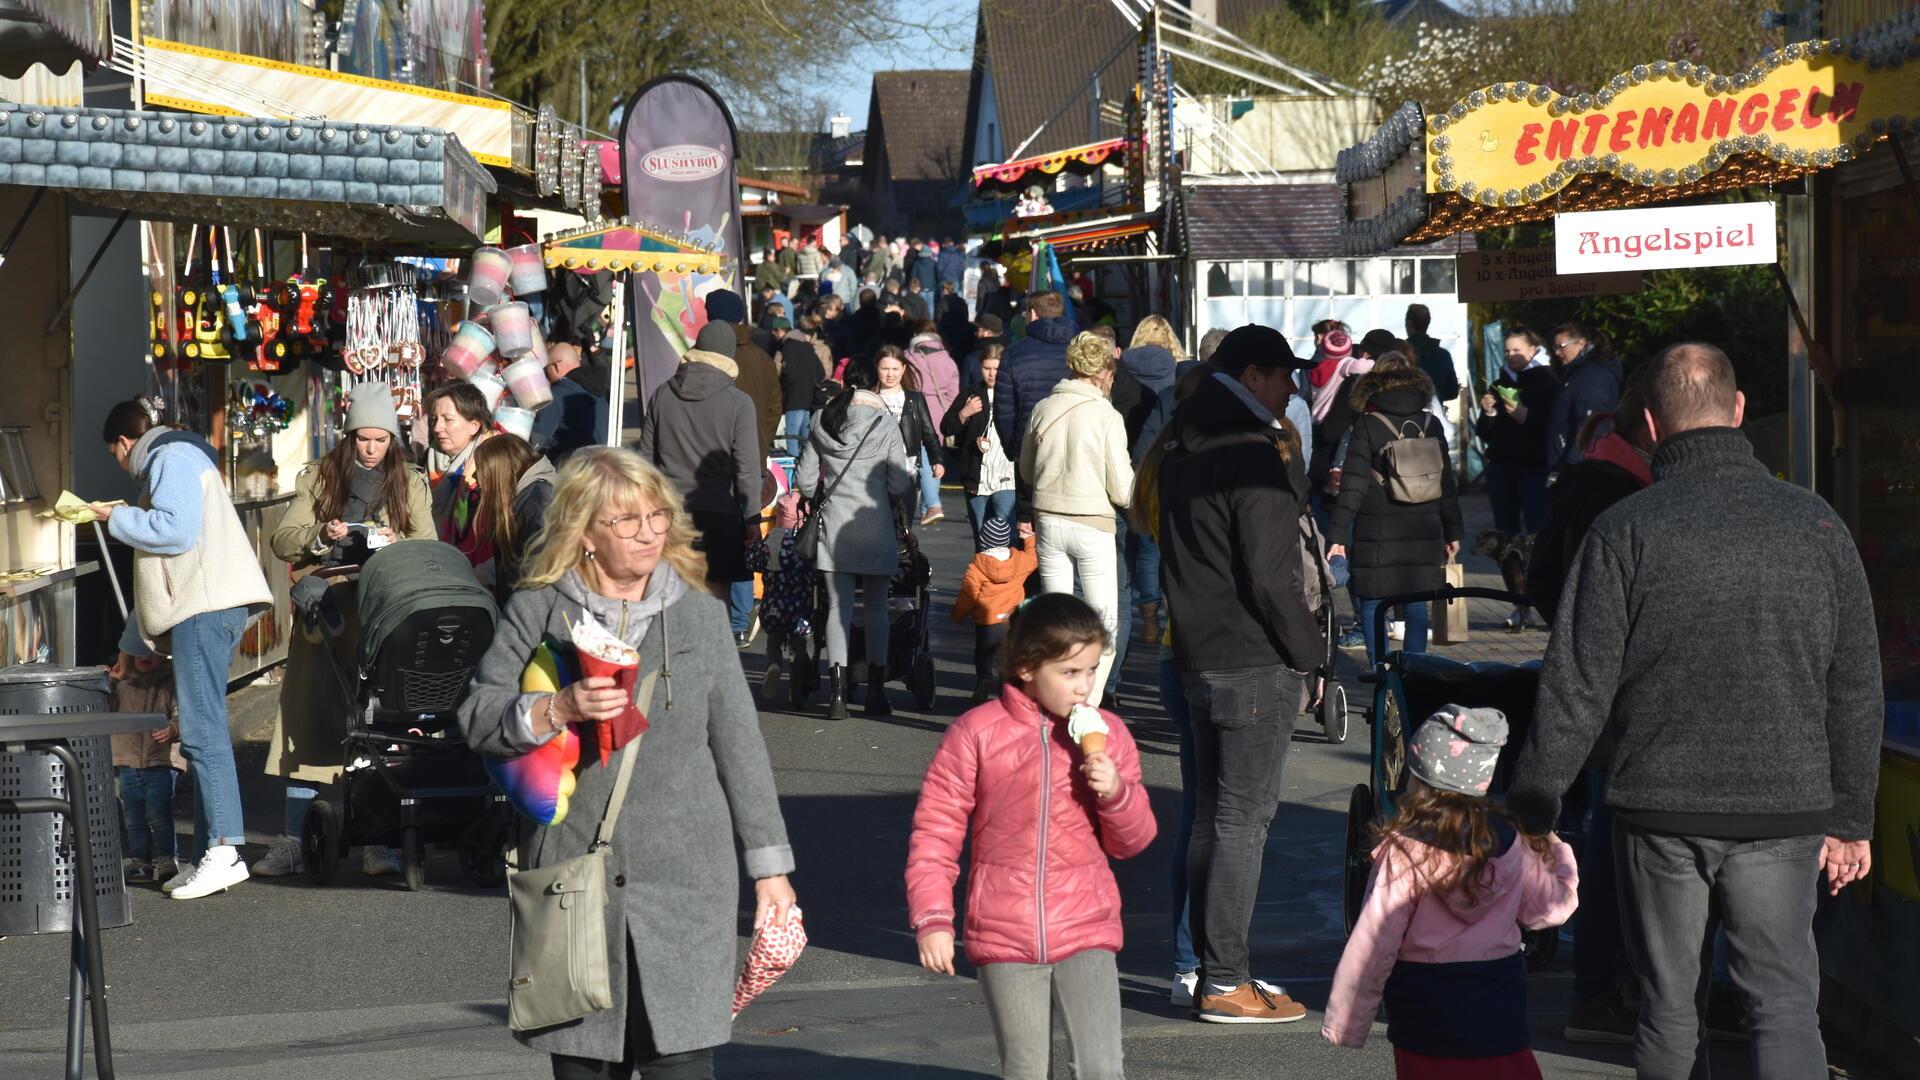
(913, 162)
(1048, 75)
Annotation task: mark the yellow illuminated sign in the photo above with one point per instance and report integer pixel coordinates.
(1670, 124)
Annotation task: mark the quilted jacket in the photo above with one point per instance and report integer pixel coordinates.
(1040, 889)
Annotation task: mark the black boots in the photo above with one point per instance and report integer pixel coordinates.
(837, 691)
(877, 692)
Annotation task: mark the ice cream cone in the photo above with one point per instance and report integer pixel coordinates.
(1093, 742)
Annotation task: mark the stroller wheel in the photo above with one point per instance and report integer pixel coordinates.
(1333, 712)
(922, 683)
(320, 841)
(482, 853)
(413, 858)
(1359, 853)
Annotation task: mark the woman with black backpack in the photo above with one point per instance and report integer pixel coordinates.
(1398, 496)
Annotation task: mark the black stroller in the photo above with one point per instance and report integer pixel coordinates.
(909, 657)
(410, 779)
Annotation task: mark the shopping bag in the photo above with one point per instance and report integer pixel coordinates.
(1450, 617)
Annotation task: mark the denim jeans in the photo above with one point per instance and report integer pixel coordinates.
(740, 605)
(146, 808)
(1242, 728)
(1519, 497)
(1123, 611)
(1144, 554)
(1070, 550)
(981, 507)
(1023, 998)
(1416, 616)
(798, 422)
(202, 653)
(929, 485)
(299, 798)
(1173, 698)
(1765, 892)
(1599, 952)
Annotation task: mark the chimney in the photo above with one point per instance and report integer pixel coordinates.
(841, 124)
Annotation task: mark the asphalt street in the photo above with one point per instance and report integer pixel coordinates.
(280, 978)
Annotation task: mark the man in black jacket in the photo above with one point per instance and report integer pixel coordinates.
(1744, 751)
(1230, 491)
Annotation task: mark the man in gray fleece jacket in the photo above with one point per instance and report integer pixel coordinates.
(1743, 747)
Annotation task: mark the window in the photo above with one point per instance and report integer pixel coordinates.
(1306, 282)
(1331, 277)
(1227, 279)
(1373, 277)
(1402, 274)
(1436, 276)
(1269, 279)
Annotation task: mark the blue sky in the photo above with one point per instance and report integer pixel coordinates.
(850, 84)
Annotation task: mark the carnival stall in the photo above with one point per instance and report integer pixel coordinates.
(1822, 125)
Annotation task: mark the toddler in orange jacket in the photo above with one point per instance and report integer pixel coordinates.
(992, 589)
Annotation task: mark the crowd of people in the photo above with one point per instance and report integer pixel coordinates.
(1115, 493)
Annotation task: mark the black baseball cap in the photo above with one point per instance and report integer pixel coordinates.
(1258, 346)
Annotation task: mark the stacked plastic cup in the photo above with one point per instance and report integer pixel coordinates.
(491, 386)
(514, 421)
(539, 344)
(471, 347)
(487, 281)
(527, 379)
(529, 273)
(512, 326)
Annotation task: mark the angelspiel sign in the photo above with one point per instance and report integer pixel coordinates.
(1729, 234)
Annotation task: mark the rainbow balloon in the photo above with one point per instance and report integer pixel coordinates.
(539, 784)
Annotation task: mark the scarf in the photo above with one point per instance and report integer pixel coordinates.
(456, 501)
(1615, 450)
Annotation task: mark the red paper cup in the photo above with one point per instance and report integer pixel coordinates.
(621, 730)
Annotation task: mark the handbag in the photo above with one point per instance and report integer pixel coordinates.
(806, 542)
(557, 940)
(1450, 621)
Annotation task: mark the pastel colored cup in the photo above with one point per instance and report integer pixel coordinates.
(514, 421)
(529, 273)
(527, 380)
(492, 387)
(539, 344)
(472, 344)
(512, 326)
(487, 279)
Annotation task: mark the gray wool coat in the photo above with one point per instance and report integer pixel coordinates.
(857, 530)
(702, 779)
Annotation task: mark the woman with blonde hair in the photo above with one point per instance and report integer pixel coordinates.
(1153, 359)
(618, 547)
(1075, 459)
(516, 487)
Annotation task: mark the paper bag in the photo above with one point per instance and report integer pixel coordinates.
(1450, 617)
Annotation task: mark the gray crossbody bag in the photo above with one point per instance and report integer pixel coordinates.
(558, 938)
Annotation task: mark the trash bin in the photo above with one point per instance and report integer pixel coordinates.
(37, 862)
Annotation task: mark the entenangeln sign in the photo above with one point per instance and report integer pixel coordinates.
(1666, 124)
(1665, 237)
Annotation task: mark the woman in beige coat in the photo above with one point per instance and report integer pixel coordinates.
(1075, 459)
(362, 496)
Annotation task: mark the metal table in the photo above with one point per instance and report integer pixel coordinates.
(87, 984)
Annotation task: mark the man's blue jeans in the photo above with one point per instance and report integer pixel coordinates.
(981, 507)
(1122, 589)
(1416, 616)
(1144, 555)
(146, 808)
(1173, 698)
(202, 654)
(798, 422)
(740, 605)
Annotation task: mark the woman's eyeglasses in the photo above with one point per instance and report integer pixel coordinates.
(627, 527)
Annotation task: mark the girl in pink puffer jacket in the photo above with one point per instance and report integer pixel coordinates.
(1050, 790)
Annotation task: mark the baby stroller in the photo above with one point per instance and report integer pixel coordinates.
(410, 779)
(909, 660)
(1331, 711)
(1408, 688)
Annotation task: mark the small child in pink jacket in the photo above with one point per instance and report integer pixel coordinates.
(1452, 885)
(1047, 789)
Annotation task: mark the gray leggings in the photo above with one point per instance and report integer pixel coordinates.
(1084, 989)
(840, 587)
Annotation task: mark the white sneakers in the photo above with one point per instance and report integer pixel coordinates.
(217, 871)
(284, 857)
(1184, 985)
(375, 861)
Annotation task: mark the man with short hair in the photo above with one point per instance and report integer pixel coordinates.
(576, 417)
(1232, 488)
(915, 302)
(769, 274)
(1433, 359)
(950, 266)
(758, 377)
(987, 330)
(1031, 367)
(1742, 753)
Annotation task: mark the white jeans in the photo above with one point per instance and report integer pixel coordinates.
(1069, 549)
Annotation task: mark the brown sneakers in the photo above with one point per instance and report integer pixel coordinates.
(1250, 1004)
